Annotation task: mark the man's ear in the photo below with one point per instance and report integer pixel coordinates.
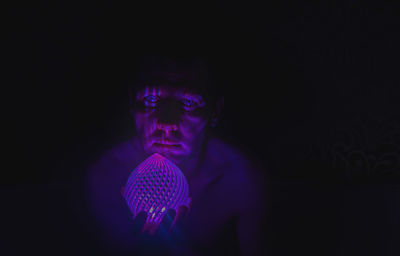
(219, 105)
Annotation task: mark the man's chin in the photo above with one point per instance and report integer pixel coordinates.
(174, 155)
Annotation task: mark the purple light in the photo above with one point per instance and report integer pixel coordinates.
(155, 186)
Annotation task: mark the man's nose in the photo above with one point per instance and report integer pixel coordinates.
(167, 127)
(168, 117)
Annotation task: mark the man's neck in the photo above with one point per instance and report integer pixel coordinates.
(191, 166)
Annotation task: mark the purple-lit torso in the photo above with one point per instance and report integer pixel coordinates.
(217, 190)
(154, 186)
(174, 121)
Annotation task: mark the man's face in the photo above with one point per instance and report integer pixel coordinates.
(170, 121)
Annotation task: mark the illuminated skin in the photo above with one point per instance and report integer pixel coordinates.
(224, 186)
(155, 186)
(170, 121)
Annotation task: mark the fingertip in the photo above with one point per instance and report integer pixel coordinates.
(168, 218)
(140, 216)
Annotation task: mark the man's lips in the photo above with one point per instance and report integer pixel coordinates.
(167, 145)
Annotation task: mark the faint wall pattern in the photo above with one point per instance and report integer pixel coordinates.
(363, 150)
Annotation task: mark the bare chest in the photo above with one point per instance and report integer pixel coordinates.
(210, 213)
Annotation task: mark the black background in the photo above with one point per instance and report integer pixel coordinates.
(295, 71)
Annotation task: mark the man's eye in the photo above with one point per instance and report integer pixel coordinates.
(189, 104)
(150, 100)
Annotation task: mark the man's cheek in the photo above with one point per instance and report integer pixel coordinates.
(201, 113)
(139, 122)
(194, 118)
(192, 126)
(143, 123)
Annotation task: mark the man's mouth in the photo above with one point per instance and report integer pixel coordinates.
(167, 145)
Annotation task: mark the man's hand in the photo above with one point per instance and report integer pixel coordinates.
(165, 237)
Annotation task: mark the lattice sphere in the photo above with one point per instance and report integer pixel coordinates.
(155, 186)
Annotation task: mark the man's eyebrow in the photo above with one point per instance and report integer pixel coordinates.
(191, 95)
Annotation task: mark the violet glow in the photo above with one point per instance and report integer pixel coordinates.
(155, 186)
(170, 121)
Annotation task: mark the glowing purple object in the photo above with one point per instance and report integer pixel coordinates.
(155, 186)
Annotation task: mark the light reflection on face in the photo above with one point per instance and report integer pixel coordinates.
(170, 121)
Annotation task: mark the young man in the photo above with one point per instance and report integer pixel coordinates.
(175, 104)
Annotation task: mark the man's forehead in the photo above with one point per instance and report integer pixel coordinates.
(167, 91)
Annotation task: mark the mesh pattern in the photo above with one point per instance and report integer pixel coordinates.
(155, 186)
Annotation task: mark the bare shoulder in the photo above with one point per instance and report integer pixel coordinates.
(123, 153)
(233, 159)
(244, 177)
(113, 165)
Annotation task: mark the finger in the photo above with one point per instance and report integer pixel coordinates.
(138, 222)
(168, 219)
(180, 216)
(182, 212)
(166, 222)
(177, 229)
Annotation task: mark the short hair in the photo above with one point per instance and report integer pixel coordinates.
(195, 73)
